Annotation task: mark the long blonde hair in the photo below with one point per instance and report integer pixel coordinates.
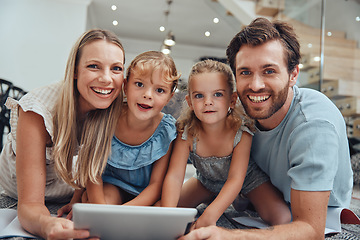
(188, 118)
(94, 134)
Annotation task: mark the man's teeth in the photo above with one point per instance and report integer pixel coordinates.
(102, 91)
(258, 99)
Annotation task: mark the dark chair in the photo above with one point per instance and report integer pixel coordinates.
(16, 93)
(5, 87)
(7, 90)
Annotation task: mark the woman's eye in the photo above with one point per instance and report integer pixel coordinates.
(160, 90)
(218, 94)
(93, 66)
(117, 68)
(198, 95)
(139, 84)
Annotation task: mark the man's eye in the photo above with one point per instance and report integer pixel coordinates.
(198, 95)
(218, 94)
(245, 73)
(269, 71)
(160, 90)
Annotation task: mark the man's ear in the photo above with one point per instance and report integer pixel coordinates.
(188, 100)
(294, 75)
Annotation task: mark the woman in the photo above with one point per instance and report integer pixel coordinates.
(51, 125)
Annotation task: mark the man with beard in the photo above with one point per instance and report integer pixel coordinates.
(301, 140)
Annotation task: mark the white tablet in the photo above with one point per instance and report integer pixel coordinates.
(132, 222)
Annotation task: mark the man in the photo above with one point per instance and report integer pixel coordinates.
(301, 140)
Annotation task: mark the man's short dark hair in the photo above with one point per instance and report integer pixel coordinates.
(260, 31)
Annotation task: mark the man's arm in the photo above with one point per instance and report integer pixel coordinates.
(309, 217)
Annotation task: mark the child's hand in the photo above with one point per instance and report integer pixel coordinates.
(67, 209)
(203, 221)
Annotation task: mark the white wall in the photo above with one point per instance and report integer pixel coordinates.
(36, 37)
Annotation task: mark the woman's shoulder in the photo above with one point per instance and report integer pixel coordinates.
(44, 96)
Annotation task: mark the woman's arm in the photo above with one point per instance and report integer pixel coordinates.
(175, 176)
(233, 184)
(151, 194)
(32, 138)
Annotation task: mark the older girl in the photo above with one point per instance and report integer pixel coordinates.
(143, 138)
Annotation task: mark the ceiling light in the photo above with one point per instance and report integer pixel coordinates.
(207, 33)
(309, 45)
(329, 34)
(301, 65)
(216, 20)
(165, 49)
(113, 7)
(317, 59)
(357, 18)
(170, 39)
(115, 23)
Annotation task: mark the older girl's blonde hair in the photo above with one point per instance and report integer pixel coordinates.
(92, 139)
(150, 61)
(188, 118)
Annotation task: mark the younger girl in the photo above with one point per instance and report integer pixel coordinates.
(216, 137)
(143, 138)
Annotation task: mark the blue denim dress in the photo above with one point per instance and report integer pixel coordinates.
(129, 167)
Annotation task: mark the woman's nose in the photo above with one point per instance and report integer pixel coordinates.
(105, 77)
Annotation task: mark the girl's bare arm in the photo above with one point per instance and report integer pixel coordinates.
(233, 184)
(151, 194)
(175, 176)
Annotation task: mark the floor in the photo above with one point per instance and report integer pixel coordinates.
(355, 201)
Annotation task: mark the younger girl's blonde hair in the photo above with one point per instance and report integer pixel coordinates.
(150, 61)
(92, 138)
(188, 118)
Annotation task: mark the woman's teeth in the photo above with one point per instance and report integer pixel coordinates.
(102, 91)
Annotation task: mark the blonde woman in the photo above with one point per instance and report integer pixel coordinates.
(51, 125)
